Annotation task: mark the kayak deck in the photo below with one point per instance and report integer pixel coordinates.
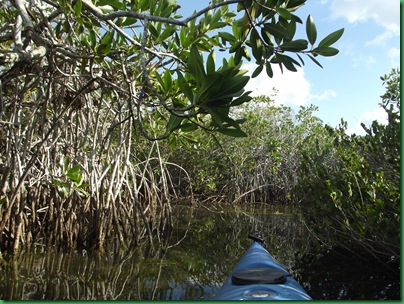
(258, 277)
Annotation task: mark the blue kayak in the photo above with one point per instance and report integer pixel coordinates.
(258, 277)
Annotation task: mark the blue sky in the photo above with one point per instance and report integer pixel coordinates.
(349, 85)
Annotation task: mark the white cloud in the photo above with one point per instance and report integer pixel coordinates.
(291, 88)
(380, 39)
(378, 114)
(325, 95)
(394, 55)
(386, 13)
(367, 118)
(360, 60)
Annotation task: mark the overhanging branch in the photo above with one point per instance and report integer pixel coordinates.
(119, 14)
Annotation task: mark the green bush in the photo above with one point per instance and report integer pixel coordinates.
(351, 188)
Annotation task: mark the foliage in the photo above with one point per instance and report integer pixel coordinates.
(358, 195)
(161, 67)
(71, 180)
(85, 80)
(259, 168)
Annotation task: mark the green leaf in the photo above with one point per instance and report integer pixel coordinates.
(62, 187)
(209, 88)
(159, 79)
(188, 127)
(288, 62)
(315, 60)
(233, 132)
(233, 85)
(235, 47)
(276, 30)
(195, 65)
(294, 46)
(242, 99)
(215, 115)
(297, 19)
(210, 63)
(116, 4)
(311, 30)
(75, 174)
(93, 38)
(269, 70)
(256, 45)
(3, 200)
(295, 4)
(173, 122)
(291, 28)
(331, 38)
(326, 51)
(266, 37)
(129, 21)
(143, 4)
(246, 54)
(153, 31)
(237, 30)
(257, 71)
(238, 55)
(300, 58)
(77, 8)
(168, 31)
(184, 87)
(284, 13)
(215, 18)
(107, 38)
(66, 164)
(168, 81)
(228, 37)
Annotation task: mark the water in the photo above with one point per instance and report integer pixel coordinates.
(205, 245)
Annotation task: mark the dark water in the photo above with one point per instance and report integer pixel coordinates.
(205, 245)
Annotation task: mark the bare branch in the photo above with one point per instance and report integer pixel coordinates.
(19, 4)
(209, 8)
(17, 34)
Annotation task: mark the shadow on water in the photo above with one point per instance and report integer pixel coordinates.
(201, 251)
(340, 275)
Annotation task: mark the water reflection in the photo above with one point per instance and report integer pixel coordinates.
(342, 275)
(191, 264)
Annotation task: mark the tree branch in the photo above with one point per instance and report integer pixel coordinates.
(19, 4)
(98, 13)
(209, 8)
(118, 14)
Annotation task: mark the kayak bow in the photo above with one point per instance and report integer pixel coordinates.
(258, 277)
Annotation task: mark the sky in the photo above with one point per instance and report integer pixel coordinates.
(348, 86)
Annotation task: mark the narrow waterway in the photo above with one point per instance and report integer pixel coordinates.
(202, 249)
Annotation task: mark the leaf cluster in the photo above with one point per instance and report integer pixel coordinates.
(165, 63)
(267, 30)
